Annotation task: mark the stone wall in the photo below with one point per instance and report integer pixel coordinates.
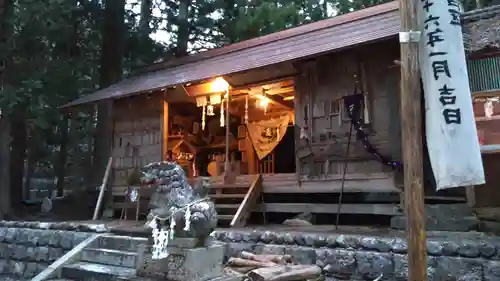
(27, 248)
(458, 257)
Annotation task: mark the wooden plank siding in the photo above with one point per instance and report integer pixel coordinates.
(322, 83)
(137, 137)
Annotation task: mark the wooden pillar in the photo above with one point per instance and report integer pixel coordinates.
(164, 126)
(411, 119)
(470, 195)
(251, 156)
(227, 166)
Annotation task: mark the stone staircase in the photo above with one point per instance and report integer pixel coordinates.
(109, 257)
(234, 202)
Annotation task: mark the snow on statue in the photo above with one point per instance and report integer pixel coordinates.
(177, 209)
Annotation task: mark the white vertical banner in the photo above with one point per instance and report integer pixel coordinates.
(452, 140)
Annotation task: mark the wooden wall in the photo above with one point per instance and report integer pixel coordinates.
(319, 110)
(137, 136)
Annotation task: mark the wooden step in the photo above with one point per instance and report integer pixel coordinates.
(224, 186)
(227, 206)
(227, 196)
(225, 217)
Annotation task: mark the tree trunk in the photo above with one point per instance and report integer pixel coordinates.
(71, 51)
(144, 28)
(183, 31)
(6, 14)
(110, 73)
(19, 144)
(5, 206)
(63, 153)
(30, 169)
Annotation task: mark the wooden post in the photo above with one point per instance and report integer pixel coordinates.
(164, 146)
(411, 123)
(227, 166)
(103, 187)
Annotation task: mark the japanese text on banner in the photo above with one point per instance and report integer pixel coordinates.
(452, 141)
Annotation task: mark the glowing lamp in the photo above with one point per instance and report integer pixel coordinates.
(263, 102)
(219, 85)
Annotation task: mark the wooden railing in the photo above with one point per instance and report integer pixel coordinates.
(248, 204)
(266, 165)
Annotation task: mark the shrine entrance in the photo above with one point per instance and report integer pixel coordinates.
(260, 137)
(285, 153)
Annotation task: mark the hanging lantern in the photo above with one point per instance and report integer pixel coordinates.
(264, 102)
(210, 110)
(488, 108)
(201, 101)
(215, 99)
(246, 109)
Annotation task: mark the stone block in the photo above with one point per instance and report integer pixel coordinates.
(66, 240)
(4, 267)
(55, 239)
(19, 252)
(31, 270)
(350, 242)
(189, 243)
(339, 262)
(265, 249)
(401, 268)
(376, 244)
(461, 224)
(235, 249)
(83, 271)
(10, 235)
(122, 243)
(17, 268)
(302, 255)
(5, 250)
(371, 265)
(491, 271)
(55, 253)
(42, 254)
(459, 269)
(198, 264)
(110, 257)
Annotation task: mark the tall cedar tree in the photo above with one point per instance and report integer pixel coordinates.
(113, 41)
(6, 29)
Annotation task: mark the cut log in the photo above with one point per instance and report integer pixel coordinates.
(249, 263)
(229, 271)
(285, 273)
(242, 269)
(281, 259)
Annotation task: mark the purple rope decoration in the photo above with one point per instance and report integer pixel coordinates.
(352, 105)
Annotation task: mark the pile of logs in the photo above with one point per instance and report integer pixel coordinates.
(272, 268)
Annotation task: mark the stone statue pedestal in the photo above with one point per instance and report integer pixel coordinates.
(187, 261)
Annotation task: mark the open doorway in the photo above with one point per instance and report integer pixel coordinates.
(284, 153)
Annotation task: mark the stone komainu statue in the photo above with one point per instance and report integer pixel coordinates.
(171, 196)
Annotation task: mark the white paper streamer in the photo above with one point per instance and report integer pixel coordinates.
(187, 219)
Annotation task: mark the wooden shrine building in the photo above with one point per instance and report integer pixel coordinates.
(293, 146)
(482, 43)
